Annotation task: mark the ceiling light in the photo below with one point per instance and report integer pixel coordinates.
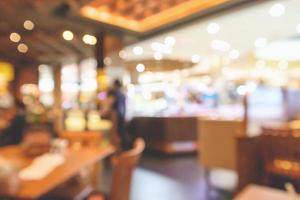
(170, 41)
(138, 50)
(261, 42)
(140, 67)
(89, 39)
(220, 45)
(213, 28)
(107, 61)
(277, 10)
(234, 54)
(122, 54)
(195, 58)
(28, 25)
(298, 28)
(15, 37)
(23, 48)
(158, 56)
(68, 35)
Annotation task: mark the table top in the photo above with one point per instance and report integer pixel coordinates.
(75, 160)
(255, 192)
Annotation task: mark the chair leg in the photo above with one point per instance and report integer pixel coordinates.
(208, 188)
(96, 173)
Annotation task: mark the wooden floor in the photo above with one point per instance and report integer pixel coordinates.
(168, 178)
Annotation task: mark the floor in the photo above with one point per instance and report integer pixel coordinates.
(169, 178)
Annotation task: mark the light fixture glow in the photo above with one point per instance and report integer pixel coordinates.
(277, 10)
(140, 67)
(15, 37)
(89, 39)
(107, 61)
(28, 25)
(170, 41)
(220, 45)
(22, 48)
(122, 54)
(68, 35)
(234, 54)
(260, 42)
(195, 58)
(158, 56)
(137, 50)
(213, 28)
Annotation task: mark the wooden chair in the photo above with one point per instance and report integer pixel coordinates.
(217, 146)
(217, 143)
(278, 130)
(281, 158)
(124, 164)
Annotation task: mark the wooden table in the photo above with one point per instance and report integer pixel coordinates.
(75, 160)
(255, 192)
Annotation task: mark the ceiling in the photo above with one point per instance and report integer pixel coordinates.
(145, 15)
(45, 41)
(239, 28)
(52, 17)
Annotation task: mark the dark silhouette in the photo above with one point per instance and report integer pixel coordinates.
(13, 134)
(118, 105)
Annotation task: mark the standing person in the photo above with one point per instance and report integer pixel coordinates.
(116, 108)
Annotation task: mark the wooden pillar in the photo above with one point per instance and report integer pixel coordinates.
(99, 51)
(24, 74)
(57, 109)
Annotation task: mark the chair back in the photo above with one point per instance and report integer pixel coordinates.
(217, 143)
(280, 147)
(280, 130)
(124, 165)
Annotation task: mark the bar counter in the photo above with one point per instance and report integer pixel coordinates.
(167, 134)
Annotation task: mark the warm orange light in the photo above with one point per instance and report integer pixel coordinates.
(6, 71)
(22, 48)
(15, 37)
(28, 25)
(286, 165)
(179, 11)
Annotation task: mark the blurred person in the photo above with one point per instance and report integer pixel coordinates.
(115, 108)
(16, 118)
